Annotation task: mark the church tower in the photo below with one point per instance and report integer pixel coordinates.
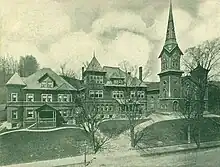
(170, 75)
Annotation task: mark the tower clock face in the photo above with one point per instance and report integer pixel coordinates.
(169, 47)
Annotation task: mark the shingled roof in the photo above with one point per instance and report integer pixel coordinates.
(32, 81)
(152, 86)
(78, 84)
(113, 72)
(94, 65)
(16, 80)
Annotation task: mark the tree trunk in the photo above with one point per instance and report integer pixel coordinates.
(189, 134)
(199, 138)
(132, 136)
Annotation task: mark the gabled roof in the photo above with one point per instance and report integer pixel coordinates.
(46, 107)
(78, 84)
(112, 72)
(16, 80)
(130, 81)
(32, 81)
(151, 86)
(94, 65)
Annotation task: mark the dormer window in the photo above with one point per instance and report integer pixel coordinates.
(47, 83)
(44, 84)
(50, 84)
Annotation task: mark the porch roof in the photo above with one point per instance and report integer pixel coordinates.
(127, 101)
(46, 107)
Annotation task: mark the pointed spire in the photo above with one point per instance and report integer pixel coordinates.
(171, 35)
(93, 53)
(94, 65)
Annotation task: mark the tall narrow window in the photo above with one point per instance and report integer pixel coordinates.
(175, 106)
(46, 97)
(30, 97)
(30, 113)
(175, 93)
(164, 93)
(14, 97)
(14, 114)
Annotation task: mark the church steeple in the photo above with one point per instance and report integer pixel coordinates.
(171, 35)
(170, 41)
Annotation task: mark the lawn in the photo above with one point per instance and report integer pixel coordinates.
(173, 132)
(21, 147)
(116, 127)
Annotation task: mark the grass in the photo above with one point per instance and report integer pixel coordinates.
(173, 132)
(22, 147)
(116, 127)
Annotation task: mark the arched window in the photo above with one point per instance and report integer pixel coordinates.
(164, 93)
(175, 106)
(175, 93)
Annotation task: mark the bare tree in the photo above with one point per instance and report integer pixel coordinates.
(8, 66)
(66, 71)
(89, 117)
(188, 107)
(203, 62)
(134, 98)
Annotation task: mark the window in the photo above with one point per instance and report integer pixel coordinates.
(59, 98)
(64, 98)
(117, 94)
(14, 114)
(175, 106)
(175, 93)
(49, 97)
(91, 94)
(30, 113)
(96, 93)
(132, 94)
(44, 84)
(14, 97)
(30, 97)
(65, 113)
(140, 94)
(50, 84)
(96, 79)
(164, 93)
(46, 97)
(47, 84)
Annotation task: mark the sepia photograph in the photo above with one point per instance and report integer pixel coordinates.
(109, 83)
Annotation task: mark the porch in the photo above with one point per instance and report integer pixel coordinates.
(47, 117)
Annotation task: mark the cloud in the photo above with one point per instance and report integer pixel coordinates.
(207, 24)
(124, 20)
(33, 21)
(17, 49)
(57, 31)
(74, 49)
(130, 47)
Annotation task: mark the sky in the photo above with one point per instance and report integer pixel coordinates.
(69, 31)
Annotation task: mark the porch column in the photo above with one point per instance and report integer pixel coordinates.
(38, 115)
(55, 115)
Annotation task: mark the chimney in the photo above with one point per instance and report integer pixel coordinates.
(83, 69)
(140, 73)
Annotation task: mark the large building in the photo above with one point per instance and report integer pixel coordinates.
(45, 99)
(42, 99)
